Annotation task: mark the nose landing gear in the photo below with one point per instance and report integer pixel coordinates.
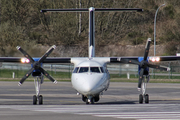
(90, 99)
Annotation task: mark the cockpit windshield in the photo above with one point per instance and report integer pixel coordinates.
(83, 69)
(89, 69)
(102, 70)
(76, 70)
(94, 69)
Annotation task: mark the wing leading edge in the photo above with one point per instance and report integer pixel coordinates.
(127, 60)
(47, 60)
(163, 58)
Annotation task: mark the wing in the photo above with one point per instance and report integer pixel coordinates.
(47, 60)
(144, 64)
(11, 59)
(57, 60)
(163, 58)
(123, 59)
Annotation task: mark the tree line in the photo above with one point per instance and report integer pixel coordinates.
(22, 23)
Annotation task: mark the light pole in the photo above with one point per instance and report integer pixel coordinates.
(155, 29)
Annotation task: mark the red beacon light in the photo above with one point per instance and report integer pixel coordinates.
(25, 60)
(154, 59)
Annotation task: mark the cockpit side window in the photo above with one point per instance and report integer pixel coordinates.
(76, 70)
(83, 69)
(95, 69)
(102, 70)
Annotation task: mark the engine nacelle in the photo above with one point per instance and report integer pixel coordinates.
(146, 70)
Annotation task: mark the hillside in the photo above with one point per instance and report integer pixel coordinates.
(22, 24)
(101, 51)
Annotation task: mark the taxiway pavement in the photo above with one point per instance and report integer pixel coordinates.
(60, 102)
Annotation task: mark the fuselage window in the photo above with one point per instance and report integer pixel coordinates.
(83, 69)
(102, 70)
(76, 70)
(94, 69)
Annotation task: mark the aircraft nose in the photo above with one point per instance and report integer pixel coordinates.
(88, 84)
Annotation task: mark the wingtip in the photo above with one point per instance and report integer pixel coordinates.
(42, 11)
(140, 10)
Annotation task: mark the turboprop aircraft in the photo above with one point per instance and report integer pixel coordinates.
(90, 76)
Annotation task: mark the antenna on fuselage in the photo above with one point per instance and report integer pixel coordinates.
(91, 11)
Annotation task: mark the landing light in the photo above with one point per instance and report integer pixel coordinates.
(24, 60)
(154, 59)
(157, 59)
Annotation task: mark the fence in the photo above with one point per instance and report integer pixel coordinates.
(11, 70)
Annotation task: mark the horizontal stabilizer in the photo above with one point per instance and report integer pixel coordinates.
(96, 9)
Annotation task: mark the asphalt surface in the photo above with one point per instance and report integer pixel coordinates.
(60, 102)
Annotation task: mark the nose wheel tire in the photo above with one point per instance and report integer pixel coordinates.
(87, 102)
(92, 100)
(34, 100)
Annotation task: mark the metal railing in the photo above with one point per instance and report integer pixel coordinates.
(11, 70)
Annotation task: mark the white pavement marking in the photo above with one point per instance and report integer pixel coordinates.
(140, 112)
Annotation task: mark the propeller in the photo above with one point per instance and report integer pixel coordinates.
(144, 63)
(36, 65)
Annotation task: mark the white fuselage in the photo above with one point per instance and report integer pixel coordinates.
(90, 78)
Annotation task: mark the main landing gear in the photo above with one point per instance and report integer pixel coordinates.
(37, 83)
(90, 99)
(144, 96)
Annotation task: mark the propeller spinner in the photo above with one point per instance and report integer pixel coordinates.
(36, 65)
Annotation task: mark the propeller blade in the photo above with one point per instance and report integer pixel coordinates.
(47, 53)
(25, 54)
(26, 76)
(147, 49)
(140, 78)
(47, 75)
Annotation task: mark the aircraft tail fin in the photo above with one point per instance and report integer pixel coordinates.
(91, 51)
(91, 32)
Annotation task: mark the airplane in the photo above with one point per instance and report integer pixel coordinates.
(90, 77)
